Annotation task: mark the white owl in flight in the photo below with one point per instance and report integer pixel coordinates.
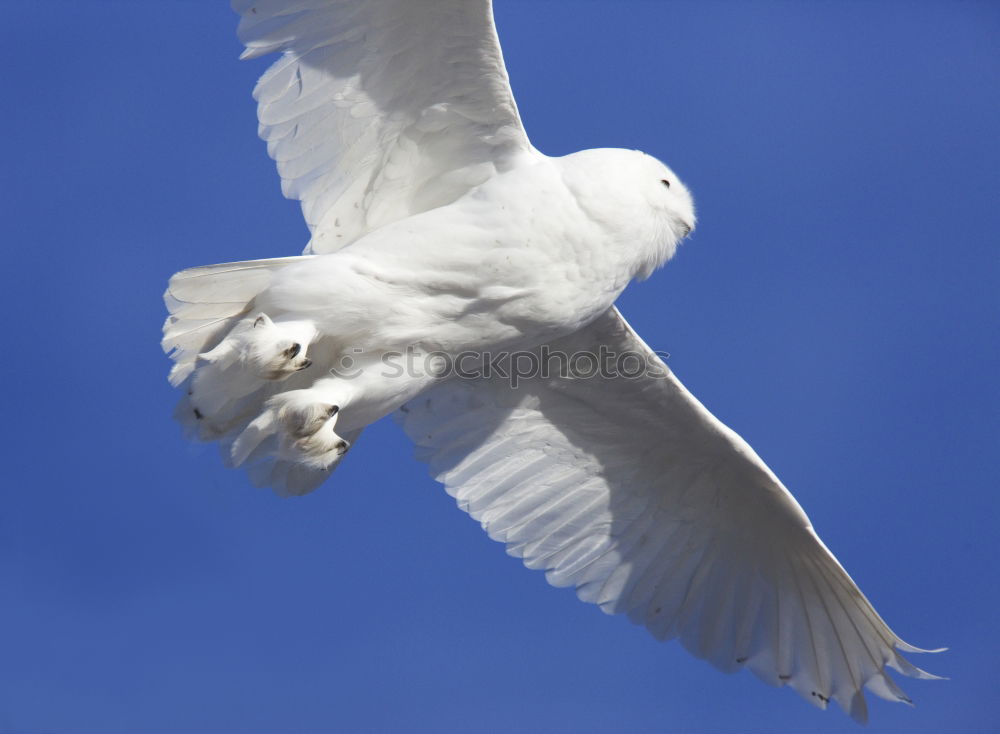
(439, 231)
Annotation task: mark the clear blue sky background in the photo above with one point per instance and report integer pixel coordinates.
(838, 307)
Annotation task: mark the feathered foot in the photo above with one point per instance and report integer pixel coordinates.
(304, 425)
(264, 349)
(256, 350)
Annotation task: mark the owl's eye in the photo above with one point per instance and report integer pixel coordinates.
(666, 183)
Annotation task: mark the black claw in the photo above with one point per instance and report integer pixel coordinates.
(341, 446)
(197, 414)
(334, 409)
(305, 363)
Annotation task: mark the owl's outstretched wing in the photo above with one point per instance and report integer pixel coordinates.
(628, 489)
(380, 109)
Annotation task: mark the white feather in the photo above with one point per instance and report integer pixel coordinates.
(629, 490)
(380, 110)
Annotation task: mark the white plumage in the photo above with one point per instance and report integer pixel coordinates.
(438, 228)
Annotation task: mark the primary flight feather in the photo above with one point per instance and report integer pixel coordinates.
(439, 231)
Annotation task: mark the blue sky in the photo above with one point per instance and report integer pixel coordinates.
(838, 306)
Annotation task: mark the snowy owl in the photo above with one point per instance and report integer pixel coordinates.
(439, 233)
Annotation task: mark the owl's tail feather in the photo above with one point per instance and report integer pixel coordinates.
(212, 308)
